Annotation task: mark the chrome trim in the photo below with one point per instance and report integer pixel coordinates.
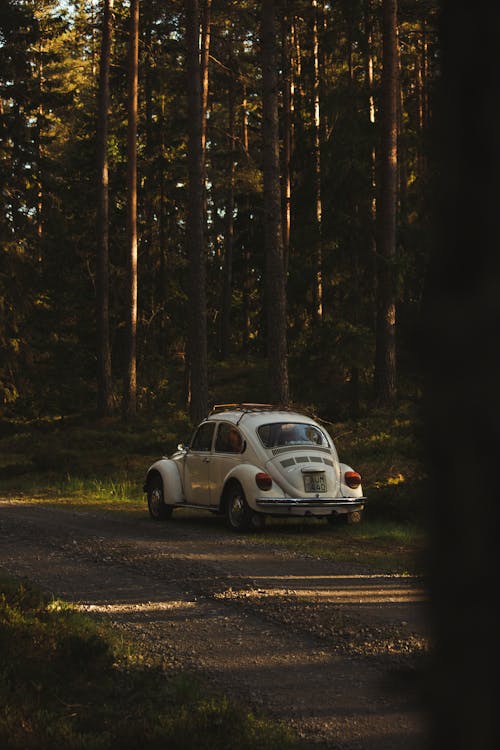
(356, 503)
(301, 448)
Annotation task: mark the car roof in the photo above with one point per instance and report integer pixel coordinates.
(256, 414)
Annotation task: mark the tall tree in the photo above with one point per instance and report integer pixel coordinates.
(286, 53)
(318, 203)
(104, 383)
(385, 358)
(132, 106)
(227, 291)
(197, 344)
(275, 276)
(204, 62)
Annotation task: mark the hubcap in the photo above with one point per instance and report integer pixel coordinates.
(237, 509)
(155, 500)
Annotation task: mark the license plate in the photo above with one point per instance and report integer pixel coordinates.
(314, 482)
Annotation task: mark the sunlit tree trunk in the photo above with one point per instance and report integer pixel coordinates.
(286, 52)
(372, 199)
(247, 241)
(131, 375)
(204, 62)
(197, 343)
(229, 229)
(318, 203)
(104, 376)
(276, 293)
(385, 356)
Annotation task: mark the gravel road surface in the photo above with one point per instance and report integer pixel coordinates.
(336, 650)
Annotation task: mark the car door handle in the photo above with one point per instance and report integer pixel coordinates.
(206, 460)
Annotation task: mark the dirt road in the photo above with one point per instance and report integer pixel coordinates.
(333, 649)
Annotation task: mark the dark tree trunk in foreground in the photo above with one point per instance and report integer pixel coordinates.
(131, 377)
(385, 358)
(197, 344)
(104, 382)
(275, 277)
(462, 393)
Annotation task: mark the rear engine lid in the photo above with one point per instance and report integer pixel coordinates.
(306, 471)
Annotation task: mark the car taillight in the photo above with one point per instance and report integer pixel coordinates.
(352, 479)
(264, 481)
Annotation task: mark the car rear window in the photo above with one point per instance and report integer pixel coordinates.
(290, 433)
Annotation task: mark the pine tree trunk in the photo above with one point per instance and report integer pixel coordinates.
(204, 60)
(318, 204)
(247, 240)
(275, 286)
(229, 233)
(104, 377)
(131, 375)
(197, 344)
(371, 211)
(385, 356)
(286, 52)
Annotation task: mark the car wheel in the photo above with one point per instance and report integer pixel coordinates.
(156, 503)
(239, 515)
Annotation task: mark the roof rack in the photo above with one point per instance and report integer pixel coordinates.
(245, 407)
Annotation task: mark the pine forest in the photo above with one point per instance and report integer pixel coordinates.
(210, 199)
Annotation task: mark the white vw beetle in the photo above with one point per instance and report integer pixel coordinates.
(247, 461)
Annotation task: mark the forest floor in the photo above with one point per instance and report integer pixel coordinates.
(336, 650)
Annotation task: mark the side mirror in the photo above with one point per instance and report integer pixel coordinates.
(182, 447)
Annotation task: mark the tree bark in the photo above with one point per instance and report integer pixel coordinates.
(318, 204)
(275, 277)
(229, 233)
(385, 356)
(247, 240)
(204, 60)
(286, 52)
(133, 64)
(104, 375)
(197, 344)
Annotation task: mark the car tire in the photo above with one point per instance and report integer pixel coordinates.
(239, 515)
(158, 509)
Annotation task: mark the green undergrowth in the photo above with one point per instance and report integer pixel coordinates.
(385, 546)
(387, 447)
(66, 681)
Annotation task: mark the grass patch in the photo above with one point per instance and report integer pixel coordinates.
(65, 681)
(382, 545)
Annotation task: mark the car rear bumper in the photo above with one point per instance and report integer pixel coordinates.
(309, 506)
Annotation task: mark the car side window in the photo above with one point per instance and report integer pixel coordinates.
(202, 441)
(228, 439)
